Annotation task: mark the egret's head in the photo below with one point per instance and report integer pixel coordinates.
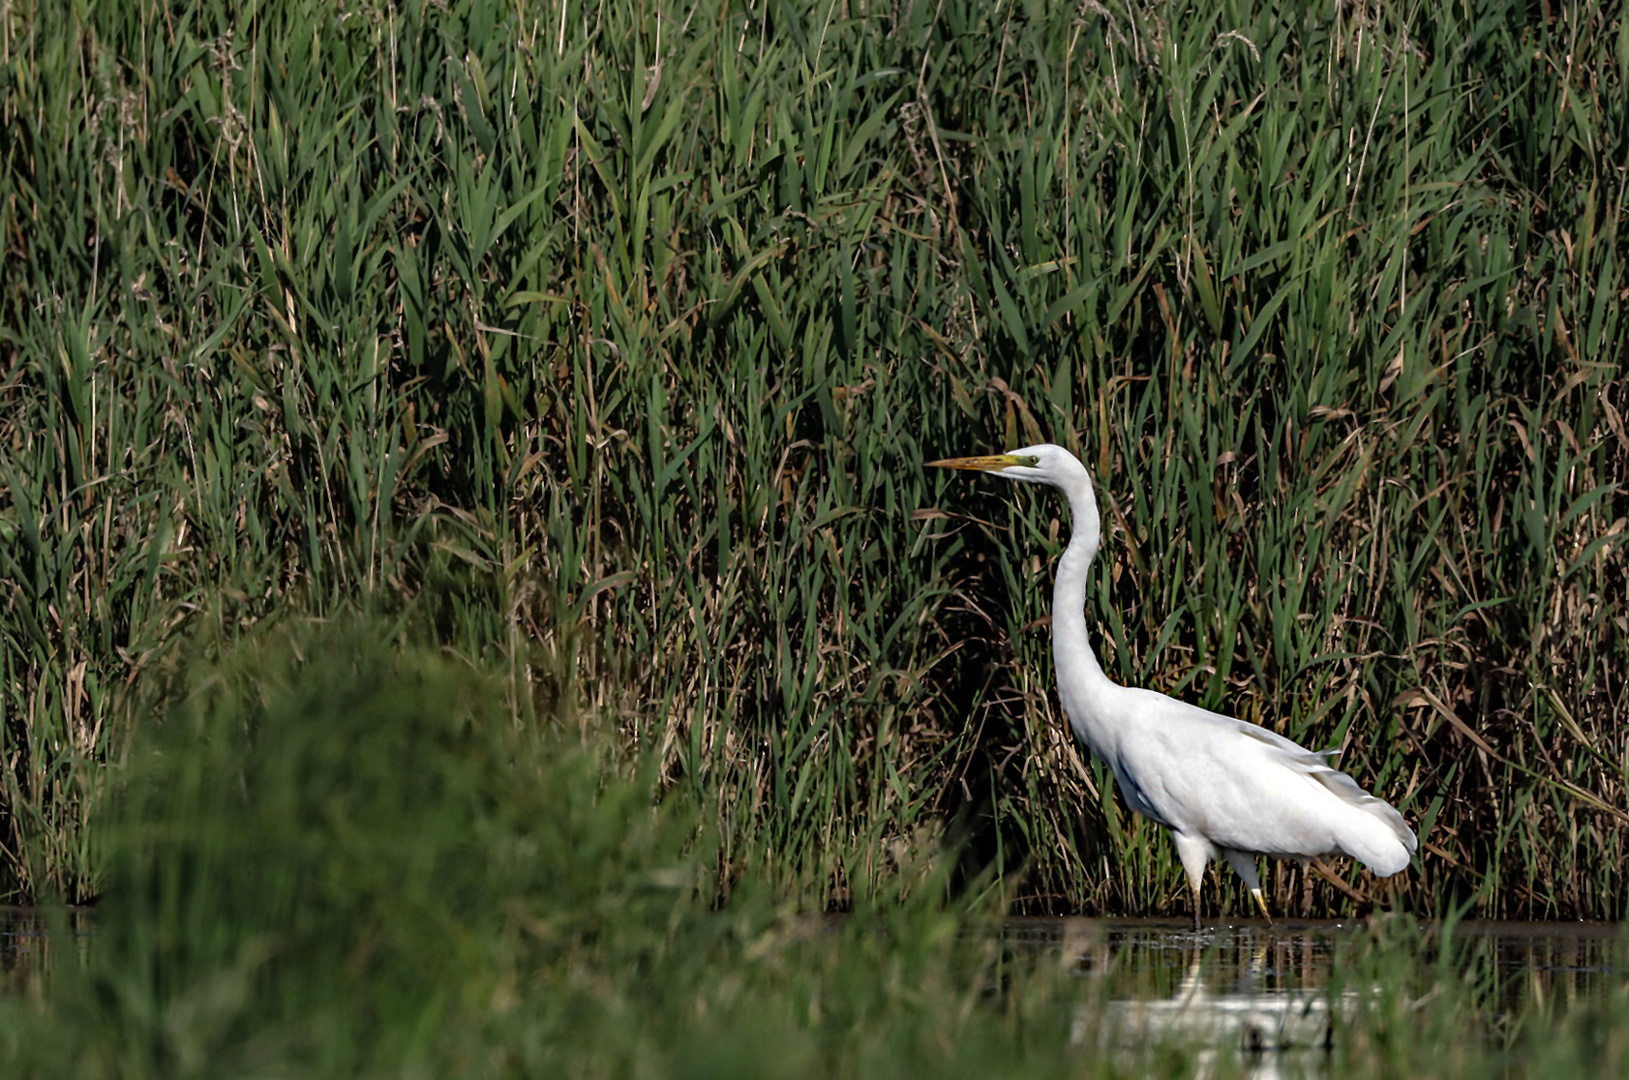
(1041, 464)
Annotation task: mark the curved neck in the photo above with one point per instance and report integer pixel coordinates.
(1082, 686)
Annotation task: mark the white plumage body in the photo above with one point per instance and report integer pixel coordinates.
(1243, 788)
(1223, 787)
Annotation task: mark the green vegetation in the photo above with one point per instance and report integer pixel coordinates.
(469, 598)
(602, 343)
(339, 856)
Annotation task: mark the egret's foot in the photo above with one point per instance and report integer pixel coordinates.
(1261, 902)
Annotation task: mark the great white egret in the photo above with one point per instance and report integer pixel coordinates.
(1221, 786)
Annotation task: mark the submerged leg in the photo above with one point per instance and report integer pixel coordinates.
(1195, 852)
(1245, 866)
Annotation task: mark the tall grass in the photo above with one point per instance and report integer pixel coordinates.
(612, 335)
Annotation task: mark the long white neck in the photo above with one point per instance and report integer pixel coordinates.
(1083, 688)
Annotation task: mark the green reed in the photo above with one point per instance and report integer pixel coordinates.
(613, 335)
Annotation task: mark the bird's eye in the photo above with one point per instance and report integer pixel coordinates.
(1029, 461)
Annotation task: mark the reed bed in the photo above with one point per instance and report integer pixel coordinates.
(607, 340)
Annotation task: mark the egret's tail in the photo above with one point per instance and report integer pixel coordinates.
(1376, 834)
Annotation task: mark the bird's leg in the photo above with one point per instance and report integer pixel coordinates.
(1261, 902)
(1244, 865)
(1195, 852)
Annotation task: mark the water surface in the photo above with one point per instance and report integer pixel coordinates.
(1269, 1000)
(26, 939)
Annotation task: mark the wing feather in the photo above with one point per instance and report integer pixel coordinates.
(1314, 764)
(1187, 768)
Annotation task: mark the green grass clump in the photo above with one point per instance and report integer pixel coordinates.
(635, 321)
(336, 852)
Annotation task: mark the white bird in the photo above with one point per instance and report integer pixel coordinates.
(1221, 786)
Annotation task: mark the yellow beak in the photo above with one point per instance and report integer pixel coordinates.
(989, 463)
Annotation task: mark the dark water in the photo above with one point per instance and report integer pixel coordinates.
(1159, 955)
(1299, 954)
(27, 941)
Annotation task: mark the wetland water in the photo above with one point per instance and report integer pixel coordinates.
(25, 936)
(1259, 1000)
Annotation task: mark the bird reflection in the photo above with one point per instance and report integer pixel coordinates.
(1244, 1011)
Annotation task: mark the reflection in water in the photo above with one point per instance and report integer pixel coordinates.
(26, 938)
(1253, 996)
(1254, 1016)
(22, 936)
(1258, 998)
